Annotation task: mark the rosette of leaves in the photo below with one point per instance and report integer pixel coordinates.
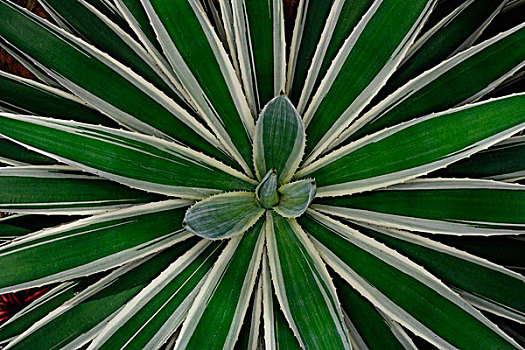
(184, 177)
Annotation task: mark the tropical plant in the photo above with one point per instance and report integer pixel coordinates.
(182, 177)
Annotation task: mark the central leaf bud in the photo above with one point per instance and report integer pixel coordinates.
(266, 192)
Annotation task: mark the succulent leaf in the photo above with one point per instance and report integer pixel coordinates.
(266, 191)
(154, 204)
(279, 139)
(295, 197)
(223, 216)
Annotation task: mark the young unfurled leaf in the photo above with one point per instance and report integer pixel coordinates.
(223, 216)
(295, 198)
(266, 191)
(279, 139)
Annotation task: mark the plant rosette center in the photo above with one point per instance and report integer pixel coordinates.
(279, 144)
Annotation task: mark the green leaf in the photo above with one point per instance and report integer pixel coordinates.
(295, 198)
(439, 206)
(311, 66)
(295, 268)
(311, 19)
(18, 225)
(498, 289)
(259, 35)
(503, 162)
(79, 320)
(359, 70)
(103, 82)
(401, 289)
(416, 147)
(63, 190)
(137, 19)
(200, 61)
(223, 215)
(47, 101)
(367, 323)
(454, 33)
(110, 38)
(277, 332)
(16, 155)
(51, 255)
(444, 86)
(136, 160)
(135, 15)
(279, 140)
(214, 320)
(266, 191)
(506, 251)
(42, 306)
(151, 317)
(250, 335)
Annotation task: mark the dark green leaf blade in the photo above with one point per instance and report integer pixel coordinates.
(52, 255)
(365, 61)
(401, 289)
(46, 101)
(310, 21)
(295, 268)
(503, 162)
(63, 190)
(110, 38)
(79, 320)
(15, 155)
(103, 82)
(444, 86)
(499, 289)
(417, 147)
(214, 320)
(149, 319)
(200, 61)
(44, 305)
(453, 34)
(311, 66)
(259, 35)
(439, 206)
(503, 250)
(17, 225)
(133, 159)
(277, 332)
(371, 326)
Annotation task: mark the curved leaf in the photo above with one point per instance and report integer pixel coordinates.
(362, 66)
(78, 320)
(279, 139)
(102, 81)
(444, 86)
(224, 215)
(439, 206)
(295, 198)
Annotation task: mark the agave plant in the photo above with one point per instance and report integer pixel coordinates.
(198, 175)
